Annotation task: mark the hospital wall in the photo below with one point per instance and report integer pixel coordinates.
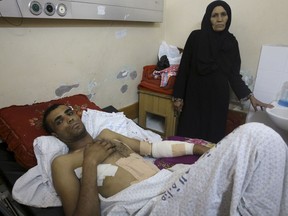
(47, 59)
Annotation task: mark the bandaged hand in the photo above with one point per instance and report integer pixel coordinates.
(167, 148)
(171, 148)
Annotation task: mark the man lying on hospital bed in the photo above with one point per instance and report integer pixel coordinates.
(224, 181)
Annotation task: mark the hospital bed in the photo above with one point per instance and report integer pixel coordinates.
(20, 125)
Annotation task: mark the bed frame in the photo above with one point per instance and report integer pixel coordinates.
(10, 171)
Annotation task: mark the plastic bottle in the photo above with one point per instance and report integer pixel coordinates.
(283, 100)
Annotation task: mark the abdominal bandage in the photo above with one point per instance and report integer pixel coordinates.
(103, 170)
(167, 148)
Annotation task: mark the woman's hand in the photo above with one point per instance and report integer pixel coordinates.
(177, 105)
(255, 103)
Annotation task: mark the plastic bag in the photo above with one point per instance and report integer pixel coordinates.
(172, 52)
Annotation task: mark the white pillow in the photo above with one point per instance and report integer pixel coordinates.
(46, 148)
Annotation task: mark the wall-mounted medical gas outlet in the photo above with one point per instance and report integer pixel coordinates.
(49, 8)
(122, 10)
(35, 7)
(61, 9)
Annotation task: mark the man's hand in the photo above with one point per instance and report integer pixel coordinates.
(98, 151)
(88, 200)
(200, 149)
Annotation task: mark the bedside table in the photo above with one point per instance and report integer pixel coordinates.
(156, 113)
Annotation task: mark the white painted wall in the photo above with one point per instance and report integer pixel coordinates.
(38, 57)
(104, 59)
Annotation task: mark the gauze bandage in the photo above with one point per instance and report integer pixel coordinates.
(103, 170)
(167, 148)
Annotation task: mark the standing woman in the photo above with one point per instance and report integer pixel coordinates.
(210, 64)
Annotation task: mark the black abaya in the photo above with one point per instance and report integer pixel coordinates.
(210, 63)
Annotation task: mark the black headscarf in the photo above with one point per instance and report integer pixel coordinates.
(214, 47)
(206, 23)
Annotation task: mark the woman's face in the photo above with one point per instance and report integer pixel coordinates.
(219, 18)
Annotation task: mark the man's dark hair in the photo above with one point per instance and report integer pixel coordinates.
(45, 124)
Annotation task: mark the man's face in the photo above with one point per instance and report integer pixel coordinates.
(219, 18)
(66, 124)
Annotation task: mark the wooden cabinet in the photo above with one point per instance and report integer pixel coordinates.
(156, 112)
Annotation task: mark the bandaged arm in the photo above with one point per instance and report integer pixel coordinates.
(167, 148)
